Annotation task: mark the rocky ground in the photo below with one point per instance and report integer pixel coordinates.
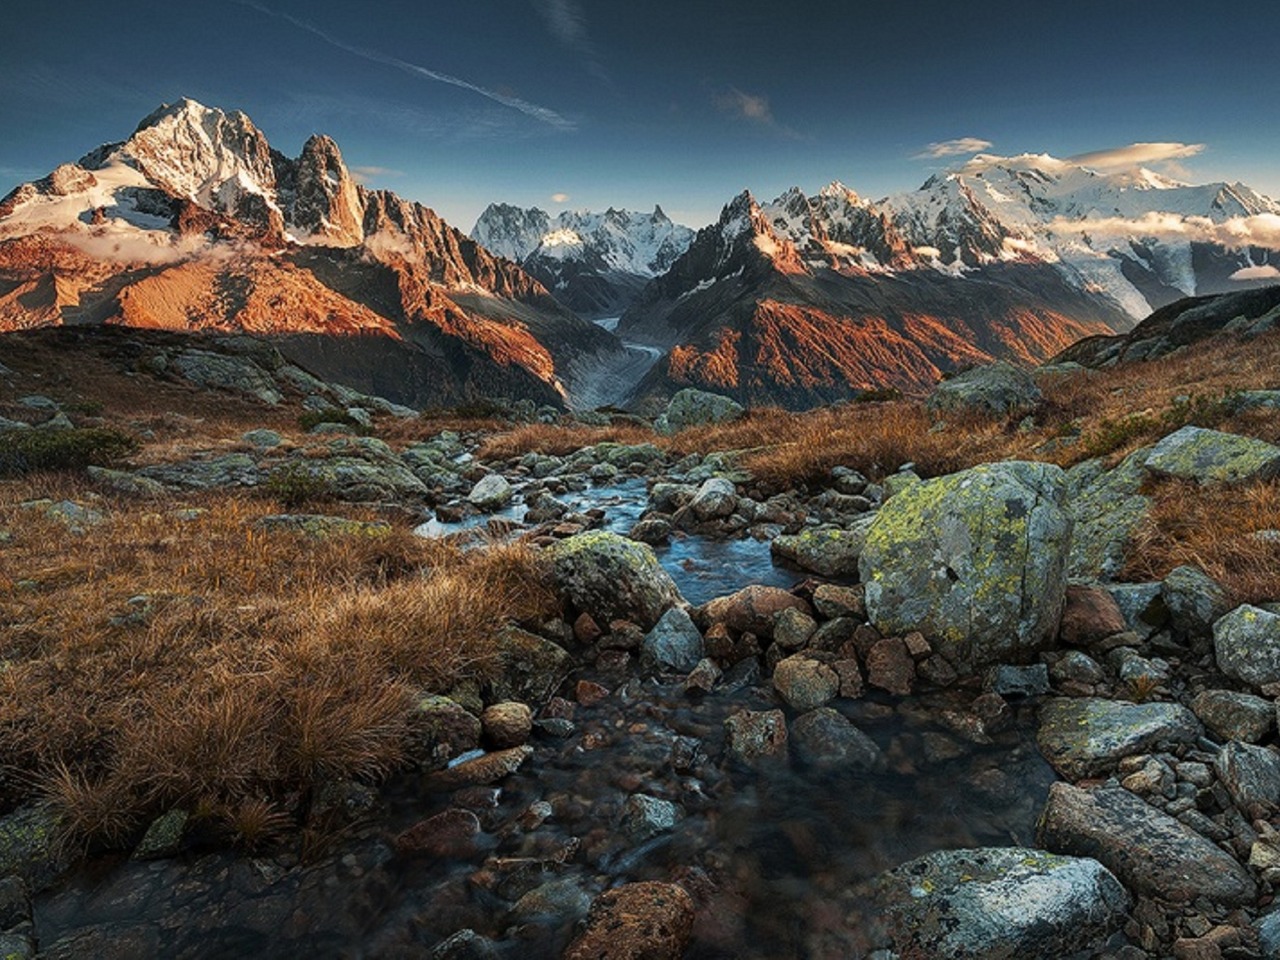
(951, 731)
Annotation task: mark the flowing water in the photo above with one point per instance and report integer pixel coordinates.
(775, 859)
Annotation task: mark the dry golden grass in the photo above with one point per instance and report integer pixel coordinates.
(154, 661)
(1212, 528)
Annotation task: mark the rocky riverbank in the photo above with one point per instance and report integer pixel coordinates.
(938, 726)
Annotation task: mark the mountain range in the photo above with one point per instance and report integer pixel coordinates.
(195, 223)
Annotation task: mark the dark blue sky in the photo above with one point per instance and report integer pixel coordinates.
(636, 102)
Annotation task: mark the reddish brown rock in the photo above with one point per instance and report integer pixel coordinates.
(585, 629)
(890, 667)
(1091, 614)
(752, 609)
(850, 677)
(637, 921)
(486, 769)
(589, 693)
(507, 724)
(449, 834)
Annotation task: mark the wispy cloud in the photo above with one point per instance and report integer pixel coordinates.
(1137, 154)
(568, 25)
(560, 198)
(1262, 230)
(543, 114)
(365, 174)
(960, 146)
(750, 106)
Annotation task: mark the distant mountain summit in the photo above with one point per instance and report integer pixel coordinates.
(593, 263)
(195, 223)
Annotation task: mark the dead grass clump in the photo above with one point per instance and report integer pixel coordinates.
(155, 661)
(1215, 529)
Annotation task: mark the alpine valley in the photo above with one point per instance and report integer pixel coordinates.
(195, 224)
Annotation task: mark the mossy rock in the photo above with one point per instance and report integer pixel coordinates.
(613, 578)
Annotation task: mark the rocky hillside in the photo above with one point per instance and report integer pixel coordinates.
(195, 223)
(594, 263)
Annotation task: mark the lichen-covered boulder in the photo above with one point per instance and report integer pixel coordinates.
(228, 470)
(976, 561)
(1000, 902)
(1153, 854)
(1246, 643)
(1087, 736)
(999, 389)
(613, 578)
(805, 683)
(692, 408)
(1211, 456)
(826, 551)
(491, 492)
(221, 372)
(1106, 507)
(716, 498)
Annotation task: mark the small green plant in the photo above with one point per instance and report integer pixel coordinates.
(85, 408)
(26, 451)
(1111, 435)
(297, 484)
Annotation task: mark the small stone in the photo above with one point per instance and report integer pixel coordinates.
(826, 738)
(507, 724)
(589, 693)
(890, 667)
(757, 738)
(805, 683)
(586, 630)
(450, 834)
(832, 601)
(491, 492)
(792, 628)
(1251, 775)
(850, 675)
(673, 644)
(1014, 681)
(704, 677)
(1091, 613)
(644, 817)
(487, 769)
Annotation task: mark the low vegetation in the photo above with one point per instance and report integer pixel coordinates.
(164, 658)
(30, 451)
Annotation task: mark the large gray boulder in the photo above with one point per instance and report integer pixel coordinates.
(491, 492)
(221, 372)
(1246, 643)
(1088, 736)
(1211, 456)
(1153, 854)
(716, 498)
(1107, 507)
(613, 578)
(692, 408)
(976, 561)
(1000, 902)
(826, 551)
(999, 389)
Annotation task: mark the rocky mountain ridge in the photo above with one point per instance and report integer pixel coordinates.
(196, 223)
(593, 263)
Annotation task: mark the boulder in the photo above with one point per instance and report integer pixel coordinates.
(1251, 775)
(673, 644)
(636, 921)
(757, 738)
(1194, 600)
(693, 408)
(833, 601)
(528, 668)
(1151, 853)
(229, 470)
(826, 738)
(826, 551)
(975, 560)
(221, 372)
(1106, 507)
(715, 499)
(1088, 736)
(1000, 902)
(1246, 643)
(805, 683)
(613, 578)
(491, 492)
(1091, 614)
(1211, 456)
(998, 389)
(507, 724)
(1234, 716)
(753, 609)
(122, 481)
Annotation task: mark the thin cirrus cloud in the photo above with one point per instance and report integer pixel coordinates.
(560, 198)
(365, 174)
(746, 105)
(544, 114)
(568, 25)
(1136, 154)
(960, 146)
